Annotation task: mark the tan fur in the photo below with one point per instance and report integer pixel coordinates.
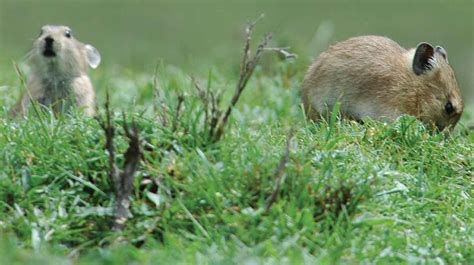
(372, 77)
(58, 81)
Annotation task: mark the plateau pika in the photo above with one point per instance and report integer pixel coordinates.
(58, 76)
(374, 77)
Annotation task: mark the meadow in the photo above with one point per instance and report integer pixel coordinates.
(275, 188)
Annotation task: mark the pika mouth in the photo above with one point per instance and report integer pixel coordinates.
(49, 52)
(49, 47)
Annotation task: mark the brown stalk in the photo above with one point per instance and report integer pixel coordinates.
(121, 180)
(204, 96)
(247, 68)
(177, 114)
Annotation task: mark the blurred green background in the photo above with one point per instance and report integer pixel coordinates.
(197, 34)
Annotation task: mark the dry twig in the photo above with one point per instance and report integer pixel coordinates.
(121, 180)
(215, 118)
(204, 96)
(247, 68)
(177, 114)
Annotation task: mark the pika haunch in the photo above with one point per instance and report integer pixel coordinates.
(374, 77)
(59, 72)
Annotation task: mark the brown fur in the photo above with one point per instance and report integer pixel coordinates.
(63, 79)
(373, 77)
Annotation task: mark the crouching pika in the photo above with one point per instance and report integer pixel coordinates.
(374, 77)
(59, 72)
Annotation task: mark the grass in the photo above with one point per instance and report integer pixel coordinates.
(351, 193)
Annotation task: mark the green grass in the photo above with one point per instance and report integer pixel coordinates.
(352, 193)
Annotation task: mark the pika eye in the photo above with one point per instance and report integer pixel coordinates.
(449, 108)
(68, 34)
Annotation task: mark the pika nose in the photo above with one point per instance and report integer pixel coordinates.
(49, 41)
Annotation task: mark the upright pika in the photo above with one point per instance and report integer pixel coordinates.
(374, 77)
(59, 75)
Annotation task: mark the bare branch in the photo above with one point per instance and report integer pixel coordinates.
(132, 160)
(248, 38)
(252, 24)
(215, 114)
(216, 119)
(204, 96)
(122, 181)
(201, 93)
(246, 70)
(279, 173)
(109, 131)
(177, 114)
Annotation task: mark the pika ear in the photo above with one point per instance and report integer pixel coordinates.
(93, 56)
(442, 51)
(423, 61)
